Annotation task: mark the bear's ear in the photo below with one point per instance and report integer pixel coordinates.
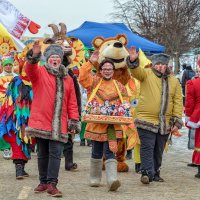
(97, 42)
(123, 39)
(72, 38)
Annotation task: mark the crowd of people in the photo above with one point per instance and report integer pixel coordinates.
(55, 114)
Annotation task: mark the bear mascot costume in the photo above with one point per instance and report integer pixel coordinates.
(115, 49)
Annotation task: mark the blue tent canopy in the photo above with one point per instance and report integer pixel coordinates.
(89, 30)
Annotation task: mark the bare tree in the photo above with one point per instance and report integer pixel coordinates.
(172, 23)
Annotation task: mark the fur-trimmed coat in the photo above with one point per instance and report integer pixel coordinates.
(160, 102)
(54, 102)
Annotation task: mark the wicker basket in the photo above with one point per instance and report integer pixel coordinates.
(105, 119)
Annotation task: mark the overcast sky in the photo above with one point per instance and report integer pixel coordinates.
(72, 12)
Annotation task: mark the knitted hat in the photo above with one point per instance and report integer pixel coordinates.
(7, 61)
(53, 49)
(160, 58)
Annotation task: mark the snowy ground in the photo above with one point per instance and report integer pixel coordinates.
(179, 184)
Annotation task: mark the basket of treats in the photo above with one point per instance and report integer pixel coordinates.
(115, 113)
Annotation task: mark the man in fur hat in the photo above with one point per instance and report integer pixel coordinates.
(54, 112)
(159, 112)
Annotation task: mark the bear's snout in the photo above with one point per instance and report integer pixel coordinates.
(117, 45)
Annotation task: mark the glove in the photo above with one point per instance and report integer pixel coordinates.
(33, 27)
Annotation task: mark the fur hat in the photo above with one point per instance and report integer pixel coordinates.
(53, 49)
(160, 58)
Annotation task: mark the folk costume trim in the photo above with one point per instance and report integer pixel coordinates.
(164, 105)
(33, 132)
(101, 137)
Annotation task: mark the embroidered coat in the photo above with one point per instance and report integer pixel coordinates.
(106, 91)
(54, 102)
(160, 101)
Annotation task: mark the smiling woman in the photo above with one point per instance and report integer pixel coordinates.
(105, 113)
(107, 69)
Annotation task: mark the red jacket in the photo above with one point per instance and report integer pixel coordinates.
(192, 103)
(45, 109)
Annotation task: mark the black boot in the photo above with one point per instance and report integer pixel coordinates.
(25, 174)
(198, 174)
(191, 165)
(19, 165)
(157, 177)
(19, 171)
(89, 143)
(145, 178)
(82, 143)
(129, 154)
(68, 153)
(69, 165)
(137, 167)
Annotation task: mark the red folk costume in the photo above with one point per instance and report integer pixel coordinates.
(107, 91)
(53, 106)
(192, 111)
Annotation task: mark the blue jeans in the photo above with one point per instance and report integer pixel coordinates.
(101, 148)
(49, 157)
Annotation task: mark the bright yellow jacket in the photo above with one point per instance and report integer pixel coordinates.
(148, 109)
